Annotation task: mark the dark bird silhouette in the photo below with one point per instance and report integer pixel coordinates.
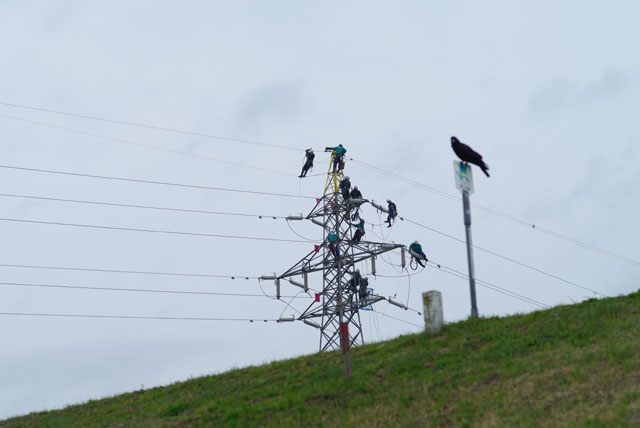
(467, 154)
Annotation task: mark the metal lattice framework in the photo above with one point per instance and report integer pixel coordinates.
(336, 312)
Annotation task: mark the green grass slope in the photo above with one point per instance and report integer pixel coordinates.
(570, 366)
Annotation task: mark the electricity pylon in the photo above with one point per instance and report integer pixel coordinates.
(335, 311)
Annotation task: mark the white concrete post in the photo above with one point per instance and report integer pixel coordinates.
(433, 314)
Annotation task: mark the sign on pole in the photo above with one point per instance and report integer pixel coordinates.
(464, 183)
(464, 177)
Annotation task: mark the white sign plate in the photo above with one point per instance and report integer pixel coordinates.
(464, 177)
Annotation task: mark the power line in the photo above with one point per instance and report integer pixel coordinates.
(542, 272)
(135, 317)
(148, 146)
(455, 273)
(171, 232)
(406, 180)
(507, 258)
(444, 269)
(502, 291)
(158, 128)
(297, 234)
(382, 171)
(586, 246)
(113, 204)
(500, 214)
(377, 169)
(163, 183)
(136, 272)
(432, 229)
(397, 319)
(491, 286)
(138, 290)
(405, 275)
(260, 216)
(511, 293)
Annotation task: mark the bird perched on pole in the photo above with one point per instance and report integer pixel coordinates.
(467, 154)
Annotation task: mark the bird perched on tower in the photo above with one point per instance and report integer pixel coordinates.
(467, 154)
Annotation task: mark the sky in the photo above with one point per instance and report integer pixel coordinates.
(547, 91)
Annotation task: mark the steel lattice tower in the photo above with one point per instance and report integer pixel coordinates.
(336, 312)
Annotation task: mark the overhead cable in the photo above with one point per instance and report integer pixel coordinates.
(159, 128)
(114, 204)
(507, 258)
(489, 285)
(500, 214)
(163, 183)
(398, 319)
(133, 317)
(137, 290)
(136, 272)
(148, 146)
(171, 232)
(406, 180)
(298, 235)
(379, 170)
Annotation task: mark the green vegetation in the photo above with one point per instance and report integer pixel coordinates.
(570, 366)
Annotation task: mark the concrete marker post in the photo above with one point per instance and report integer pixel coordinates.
(433, 314)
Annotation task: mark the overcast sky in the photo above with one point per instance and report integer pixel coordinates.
(547, 91)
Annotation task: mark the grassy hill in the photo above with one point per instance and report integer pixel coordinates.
(570, 366)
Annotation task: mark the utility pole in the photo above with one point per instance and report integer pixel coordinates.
(335, 310)
(464, 182)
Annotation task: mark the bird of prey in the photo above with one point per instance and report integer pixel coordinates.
(467, 154)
